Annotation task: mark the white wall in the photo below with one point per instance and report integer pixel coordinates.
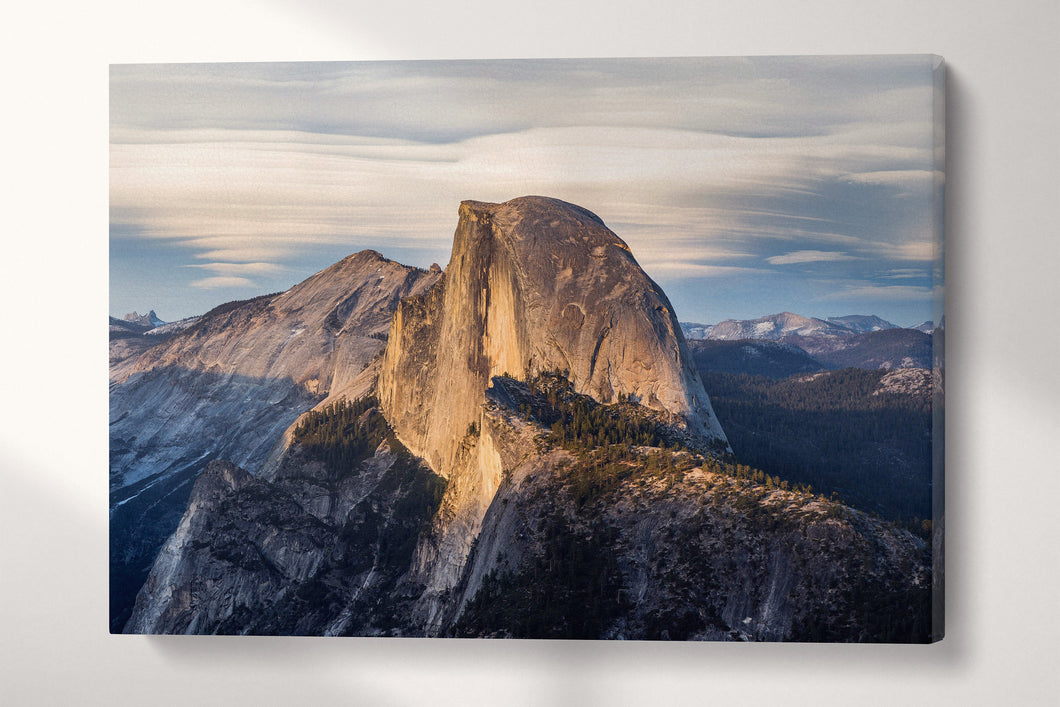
(1003, 382)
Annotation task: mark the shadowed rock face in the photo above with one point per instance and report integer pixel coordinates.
(533, 284)
(229, 386)
(248, 361)
(312, 551)
(642, 552)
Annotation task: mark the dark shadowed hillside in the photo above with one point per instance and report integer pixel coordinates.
(753, 357)
(889, 348)
(865, 435)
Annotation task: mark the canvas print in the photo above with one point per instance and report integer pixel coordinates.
(643, 349)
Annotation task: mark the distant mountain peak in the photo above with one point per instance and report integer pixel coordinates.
(862, 323)
(774, 327)
(926, 327)
(148, 321)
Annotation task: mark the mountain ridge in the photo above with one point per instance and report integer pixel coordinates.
(860, 341)
(230, 385)
(776, 326)
(862, 323)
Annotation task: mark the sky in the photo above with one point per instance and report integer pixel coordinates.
(744, 186)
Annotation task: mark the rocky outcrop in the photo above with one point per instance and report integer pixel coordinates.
(533, 284)
(906, 381)
(229, 386)
(147, 321)
(311, 552)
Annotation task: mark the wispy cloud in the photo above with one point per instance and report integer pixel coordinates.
(214, 283)
(909, 180)
(686, 270)
(881, 292)
(923, 250)
(808, 256)
(906, 273)
(239, 269)
(248, 252)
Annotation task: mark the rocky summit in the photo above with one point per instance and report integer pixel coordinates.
(535, 284)
(533, 455)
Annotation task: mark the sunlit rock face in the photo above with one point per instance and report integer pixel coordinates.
(533, 284)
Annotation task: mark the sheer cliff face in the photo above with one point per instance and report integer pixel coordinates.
(535, 284)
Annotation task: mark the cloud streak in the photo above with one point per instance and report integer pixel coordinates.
(239, 269)
(219, 282)
(689, 270)
(882, 292)
(809, 256)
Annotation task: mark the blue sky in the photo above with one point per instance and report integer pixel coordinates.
(744, 186)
